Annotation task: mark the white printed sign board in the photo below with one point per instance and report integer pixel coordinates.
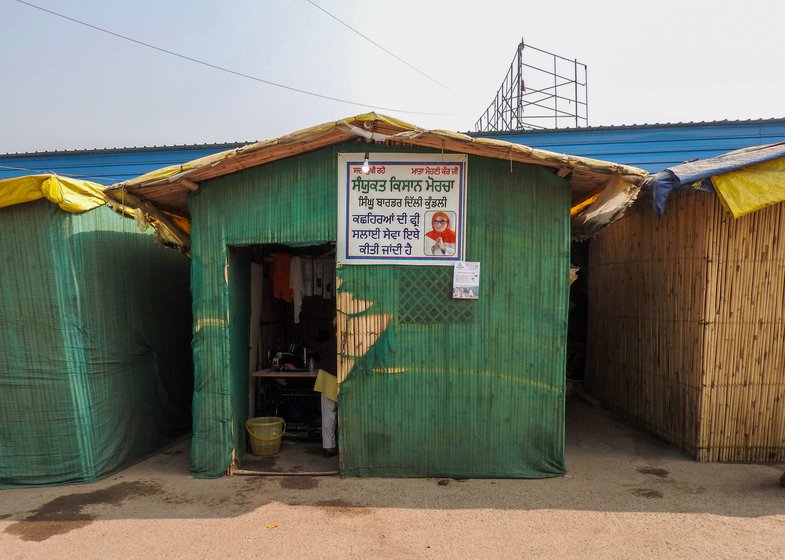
(402, 209)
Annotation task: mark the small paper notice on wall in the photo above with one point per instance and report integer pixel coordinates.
(466, 280)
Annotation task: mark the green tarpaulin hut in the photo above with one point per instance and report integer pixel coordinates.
(429, 384)
(95, 362)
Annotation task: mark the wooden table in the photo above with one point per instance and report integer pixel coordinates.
(285, 374)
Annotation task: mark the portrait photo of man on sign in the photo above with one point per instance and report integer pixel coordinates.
(440, 241)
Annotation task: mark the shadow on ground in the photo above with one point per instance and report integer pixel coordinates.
(612, 466)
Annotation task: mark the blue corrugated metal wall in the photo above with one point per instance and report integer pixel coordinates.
(652, 147)
(103, 166)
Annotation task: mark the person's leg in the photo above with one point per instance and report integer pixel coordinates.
(329, 408)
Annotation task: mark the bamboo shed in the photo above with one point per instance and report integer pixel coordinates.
(429, 385)
(687, 311)
(95, 364)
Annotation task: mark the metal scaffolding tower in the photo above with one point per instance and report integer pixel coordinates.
(541, 90)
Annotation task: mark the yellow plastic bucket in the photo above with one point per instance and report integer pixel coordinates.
(265, 432)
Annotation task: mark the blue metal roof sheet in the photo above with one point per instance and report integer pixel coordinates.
(650, 147)
(103, 166)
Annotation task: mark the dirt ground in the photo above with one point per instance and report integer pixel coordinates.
(626, 496)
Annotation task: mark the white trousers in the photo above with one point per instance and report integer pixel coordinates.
(329, 417)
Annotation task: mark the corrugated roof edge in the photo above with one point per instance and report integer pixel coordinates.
(231, 145)
(174, 147)
(778, 120)
(398, 131)
(167, 189)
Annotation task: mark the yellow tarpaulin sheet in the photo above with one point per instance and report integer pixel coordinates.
(71, 195)
(299, 136)
(751, 188)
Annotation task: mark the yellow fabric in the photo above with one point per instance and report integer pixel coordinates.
(71, 195)
(383, 118)
(172, 170)
(326, 384)
(400, 131)
(575, 210)
(752, 188)
(183, 223)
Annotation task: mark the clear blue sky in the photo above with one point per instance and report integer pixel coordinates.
(66, 86)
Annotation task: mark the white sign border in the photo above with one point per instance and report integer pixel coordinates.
(349, 159)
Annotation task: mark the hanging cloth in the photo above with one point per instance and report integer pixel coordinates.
(307, 276)
(281, 272)
(326, 384)
(296, 285)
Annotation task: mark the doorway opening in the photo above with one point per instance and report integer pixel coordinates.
(289, 311)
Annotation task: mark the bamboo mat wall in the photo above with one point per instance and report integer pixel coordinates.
(646, 307)
(743, 399)
(686, 327)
